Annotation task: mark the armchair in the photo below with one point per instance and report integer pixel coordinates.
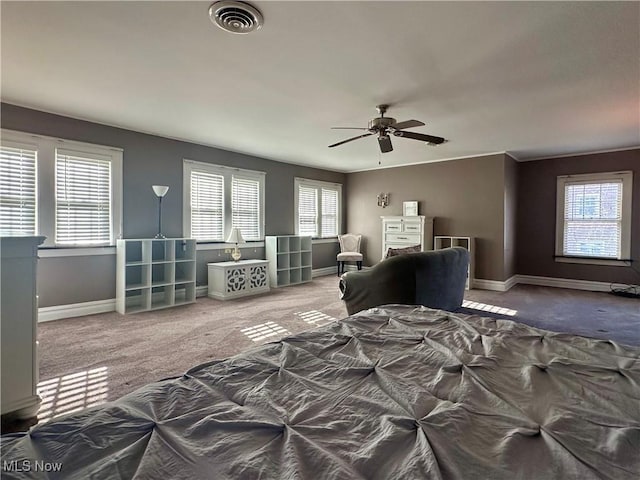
(349, 251)
(434, 279)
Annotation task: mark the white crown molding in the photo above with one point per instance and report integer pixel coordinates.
(429, 161)
(580, 154)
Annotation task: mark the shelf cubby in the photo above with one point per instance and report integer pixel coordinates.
(290, 259)
(149, 271)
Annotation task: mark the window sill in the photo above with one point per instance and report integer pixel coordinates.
(324, 240)
(223, 245)
(50, 252)
(594, 261)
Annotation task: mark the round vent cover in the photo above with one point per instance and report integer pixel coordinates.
(235, 17)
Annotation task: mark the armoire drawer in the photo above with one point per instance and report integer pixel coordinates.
(413, 238)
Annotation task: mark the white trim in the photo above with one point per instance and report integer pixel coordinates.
(90, 146)
(75, 252)
(202, 291)
(566, 155)
(324, 240)
(318, 185)
(625, 177)
(494, 285)
(47, 314)
(320, 272)
(46, 148)
(429, 161)
(594, 261)
(498, 286)
(224, 246)
(189, 166)
(564, 283)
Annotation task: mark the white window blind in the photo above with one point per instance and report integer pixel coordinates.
(307, 211)
(207, 206)
(593, 219)
(17, 191)
(83, 200)
(329, 223)
(317, 208)
(245, 207)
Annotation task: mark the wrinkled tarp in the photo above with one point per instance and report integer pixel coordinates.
(396, 392)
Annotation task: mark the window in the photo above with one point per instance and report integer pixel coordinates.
(317, 208)
(217, 198)
(68, 191)
(83, 199)
(18, 193)
(594, 217)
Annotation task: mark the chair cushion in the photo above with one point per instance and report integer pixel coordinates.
(349, 257)
(392, 252)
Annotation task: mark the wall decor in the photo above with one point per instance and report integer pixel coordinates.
(410, 209)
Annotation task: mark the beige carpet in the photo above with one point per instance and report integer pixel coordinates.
(85, 361)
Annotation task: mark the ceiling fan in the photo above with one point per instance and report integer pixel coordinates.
(384, 127)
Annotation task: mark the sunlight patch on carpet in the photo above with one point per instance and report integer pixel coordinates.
(315, 318)
(265, 330)
(72, 393)
(489, 308)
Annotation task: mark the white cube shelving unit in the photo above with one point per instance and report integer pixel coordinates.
(289, 259)
(155, 273)
(443, 241)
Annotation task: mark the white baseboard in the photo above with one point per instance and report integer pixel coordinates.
(494, 285)
(320, 272)
(57, 312)
(202, 291)
(499, 286)
(564, 283)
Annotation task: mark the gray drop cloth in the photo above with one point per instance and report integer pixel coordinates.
(390, 393)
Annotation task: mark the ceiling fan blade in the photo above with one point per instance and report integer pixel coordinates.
(349, 128)
(420, 136)
(385, 143)
(407, 124)
(350, 140)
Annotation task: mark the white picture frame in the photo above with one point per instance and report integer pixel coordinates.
(410, 209)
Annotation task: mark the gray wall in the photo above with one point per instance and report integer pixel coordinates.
(150, 160)
(537, 216)
(467, 198)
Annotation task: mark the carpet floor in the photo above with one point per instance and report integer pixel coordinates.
(109, 355)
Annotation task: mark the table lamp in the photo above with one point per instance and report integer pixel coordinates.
(235, 237)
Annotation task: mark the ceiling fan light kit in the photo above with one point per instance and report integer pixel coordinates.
(384, 127)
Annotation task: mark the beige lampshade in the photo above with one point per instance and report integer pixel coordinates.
(235, 236)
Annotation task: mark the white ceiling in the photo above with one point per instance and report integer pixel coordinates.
(534, 79)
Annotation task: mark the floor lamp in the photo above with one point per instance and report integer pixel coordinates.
(160, 191)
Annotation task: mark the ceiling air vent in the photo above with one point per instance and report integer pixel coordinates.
(235, 17)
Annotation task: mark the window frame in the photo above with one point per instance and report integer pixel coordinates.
(46, 148)
(189, 166)
(626, 177)
(318, 185)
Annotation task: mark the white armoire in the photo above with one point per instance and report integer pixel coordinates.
(19, 320)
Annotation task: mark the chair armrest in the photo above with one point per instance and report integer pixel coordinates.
(391, 281)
